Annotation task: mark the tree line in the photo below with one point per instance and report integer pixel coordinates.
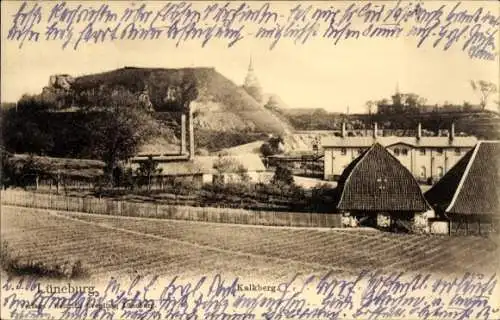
(108, 124)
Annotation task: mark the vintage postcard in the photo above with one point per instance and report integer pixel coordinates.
(228, 160)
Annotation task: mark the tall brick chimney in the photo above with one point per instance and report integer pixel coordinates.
(342, 132)
(183, 133)
(375, 130)
(419, 131)
(452, 131)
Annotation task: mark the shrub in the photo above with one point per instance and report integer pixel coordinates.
(323, 198)
(182, 186)
(282, 177)
(266, 150)
(233, 188)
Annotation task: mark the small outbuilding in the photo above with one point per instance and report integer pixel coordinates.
(377, 190)
(468, 196)
(208, 169)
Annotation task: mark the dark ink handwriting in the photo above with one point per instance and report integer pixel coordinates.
(443, 27)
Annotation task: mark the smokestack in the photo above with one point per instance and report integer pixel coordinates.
(183, 133)
(419, 131)
(191, 135)
(452, 131)
(342, 133)
(375, 130)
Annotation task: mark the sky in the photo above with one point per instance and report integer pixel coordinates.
(318, 74)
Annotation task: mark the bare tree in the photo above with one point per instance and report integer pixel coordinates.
(370, 106)
(483, 89)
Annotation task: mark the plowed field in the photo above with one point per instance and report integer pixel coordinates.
(109, 245)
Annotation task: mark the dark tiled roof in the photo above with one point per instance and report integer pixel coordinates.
(474, 183)
(441, 194)
(377, 181)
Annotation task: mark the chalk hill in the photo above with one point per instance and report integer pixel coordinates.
(221, 105)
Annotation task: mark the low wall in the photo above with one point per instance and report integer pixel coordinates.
(439, 227)
(148, 210)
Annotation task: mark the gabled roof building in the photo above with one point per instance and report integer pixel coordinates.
(376, 183)
(427, 158)
(470, 191)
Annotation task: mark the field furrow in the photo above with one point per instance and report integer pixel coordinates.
(109, 245)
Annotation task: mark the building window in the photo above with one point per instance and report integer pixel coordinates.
(423, 172)
(440, 151)
(440, 172)
(382, 183)
(404, 152)
(343, 151)
(396, 151)
(422, 152)
(360, 151)
(457, 151)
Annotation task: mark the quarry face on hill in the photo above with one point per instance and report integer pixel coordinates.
(221, 105)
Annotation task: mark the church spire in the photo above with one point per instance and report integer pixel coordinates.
(251, 79)
(396, 98)
(251, 84)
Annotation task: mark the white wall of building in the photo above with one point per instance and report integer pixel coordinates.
(423, 162)
(337, 159)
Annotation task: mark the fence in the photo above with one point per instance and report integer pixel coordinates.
(148, 210)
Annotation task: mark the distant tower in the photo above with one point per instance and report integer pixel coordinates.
(396, 98)
(251, 85)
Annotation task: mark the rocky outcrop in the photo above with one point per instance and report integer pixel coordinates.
(145, 101)
(61, 81)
